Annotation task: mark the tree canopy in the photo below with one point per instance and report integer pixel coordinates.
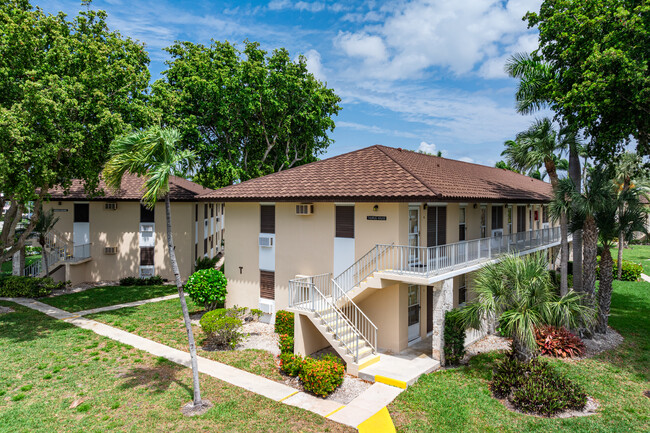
(67, 88)
(596, 53)
(245, 113)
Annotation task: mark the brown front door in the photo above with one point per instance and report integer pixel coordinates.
(429, 309)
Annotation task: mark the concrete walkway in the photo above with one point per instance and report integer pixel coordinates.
(645, 278)
(369, 406)
(125, 305)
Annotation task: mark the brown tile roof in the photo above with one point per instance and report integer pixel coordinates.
(380, 173)
(131, 189)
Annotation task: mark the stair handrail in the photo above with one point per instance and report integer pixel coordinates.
(361, 322)
(370, 262)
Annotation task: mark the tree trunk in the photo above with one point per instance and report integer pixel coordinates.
(590, 240)
(619, 262)
(576, 177)
(15, 264)
(564, 266)
(47, 266)
(604, 290)
(186, 314)
(520, 351)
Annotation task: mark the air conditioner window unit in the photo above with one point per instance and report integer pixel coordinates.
(110, 250)
(304, 209)
(110, 206)
(266, 241)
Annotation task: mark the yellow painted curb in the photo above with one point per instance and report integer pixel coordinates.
(71, 317)
(390, 381)
(378, 423)
(369, 362)
(334, 411)
(290, 395)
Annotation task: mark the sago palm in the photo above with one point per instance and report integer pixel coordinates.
(518, 292)
(541, 145)
(153, 154)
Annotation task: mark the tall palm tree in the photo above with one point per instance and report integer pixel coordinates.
(519, 293)
(627, 168)
(44, 225)
(620, 215)
(153, 154)
(540, 145)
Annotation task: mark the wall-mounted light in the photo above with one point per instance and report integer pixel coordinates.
(424, 206)
(375, 208)
(474, 205)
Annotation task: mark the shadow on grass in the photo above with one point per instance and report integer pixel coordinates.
(25, 324)
(157, 378)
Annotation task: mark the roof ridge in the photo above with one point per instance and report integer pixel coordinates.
(426, 185)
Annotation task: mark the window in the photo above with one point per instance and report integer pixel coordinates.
(497, 217)
(267, 219)
(212, 211)
(509, 219)
(521, 218)
(544, 214)
(205, 211)
(462, 289)
(344, 222)
(146, 256)
(436, 225)
(81, 212)
(146, 214)
(483, 221)
(205, 245)
(196, 212)
(462, 228)
(267, 284)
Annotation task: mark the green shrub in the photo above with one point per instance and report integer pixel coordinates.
(284, 322)
(454, 347)
(156, 280)
(286, 343)
(207, 287)
(256, 313)
(28, 287)
(556, 279)
(332, 358)
(222, 327)
(291, 364)
(535, 387)
(631, 271)
(205, 263)
(321, 377)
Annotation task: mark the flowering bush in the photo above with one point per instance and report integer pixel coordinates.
(207, 287)
(286, 343)
(284, 322)
(291, 364)
(558, 342)
(321, 377)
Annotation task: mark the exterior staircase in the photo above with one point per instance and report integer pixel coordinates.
(59, 252)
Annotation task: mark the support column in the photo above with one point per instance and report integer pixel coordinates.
(443, 301)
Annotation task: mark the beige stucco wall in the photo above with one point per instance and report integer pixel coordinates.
(307, 338)
(387, 309)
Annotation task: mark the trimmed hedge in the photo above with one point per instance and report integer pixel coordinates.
(631, 271)
(535, 387)
(223, 327)
(156, 280)
(454, 334)
(291, 364)
(284, 322)
(207, 287)
(28, 287)
(286, 343)
(321, 377)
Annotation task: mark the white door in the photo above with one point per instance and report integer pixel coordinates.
(413, 312)
(343, 239)
(81, 225)
(414, 235)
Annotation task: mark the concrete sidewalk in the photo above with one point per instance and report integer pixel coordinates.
(645, 278)
(367, 406)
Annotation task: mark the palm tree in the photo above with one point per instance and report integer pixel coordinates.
(540, 145)
(620, 216)
(153, 154)
(627, 167)
(44, 225)
(519, 293)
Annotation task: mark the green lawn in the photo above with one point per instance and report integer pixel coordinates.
(163, 322)
(459, 399)
(5, 269)
(638, 254)
(107, 295)
(49, 366)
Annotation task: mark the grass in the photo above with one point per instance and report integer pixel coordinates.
(637, 254)
(163, 322)
(5, 269)
(107, 295)
(119, 389)
(460, 400)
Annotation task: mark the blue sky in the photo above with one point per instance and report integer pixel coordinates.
(413, 74)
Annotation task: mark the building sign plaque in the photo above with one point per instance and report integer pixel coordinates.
(376, 218)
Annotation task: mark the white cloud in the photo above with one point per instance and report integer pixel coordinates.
(314, 64)
(494, 67)
(430, 148)
(301, 6)
(466, 159)
(370, 48)
(373, 129)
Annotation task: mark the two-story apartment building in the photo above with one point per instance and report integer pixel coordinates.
(370, 248)
(112, 235)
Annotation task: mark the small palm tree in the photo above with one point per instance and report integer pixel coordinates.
(540, 145)
(153, 154)
(44, 225)
(519, 293)
(619, 216)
